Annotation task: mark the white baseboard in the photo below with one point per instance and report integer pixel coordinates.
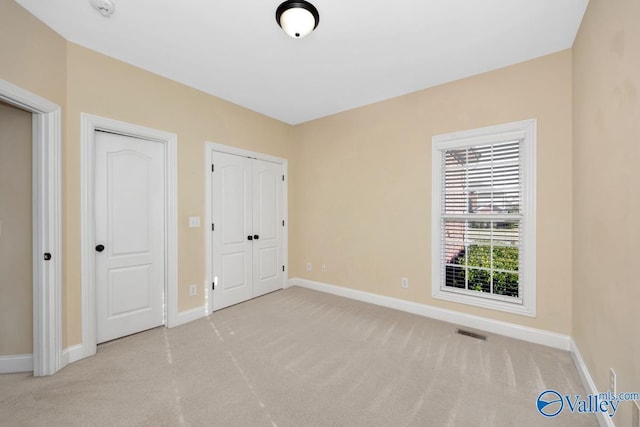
(289, 283)
(77, 352)
(72, 354)
(603, 419)
(190, 315)
(16, 363)
(537, 336)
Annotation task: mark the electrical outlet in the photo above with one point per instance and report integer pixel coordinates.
(405, 282)
(612, 381)
(308, 266)
(324, 268)
(193, 290)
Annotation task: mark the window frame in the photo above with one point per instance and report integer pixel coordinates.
(526, 131)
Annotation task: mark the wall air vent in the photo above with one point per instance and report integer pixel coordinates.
(471, 334)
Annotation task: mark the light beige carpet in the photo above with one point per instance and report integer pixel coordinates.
(299, 358)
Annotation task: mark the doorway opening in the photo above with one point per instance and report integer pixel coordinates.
(46, 358)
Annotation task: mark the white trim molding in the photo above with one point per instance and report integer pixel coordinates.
(191, 315)
(524, 131)
(89, 125)
(72, 354)
(47, 226)
(590, 386)
(209, 148)
(16, 363)
(511, 330)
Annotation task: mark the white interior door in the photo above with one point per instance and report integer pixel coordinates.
(130, 235)
(268, 226)
(247, 239)
(232, 257)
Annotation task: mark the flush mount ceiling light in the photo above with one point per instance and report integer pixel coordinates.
(297, 18)
(105, 7)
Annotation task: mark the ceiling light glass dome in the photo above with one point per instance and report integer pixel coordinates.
(297, 18)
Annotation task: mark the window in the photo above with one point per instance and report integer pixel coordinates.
(483, 217)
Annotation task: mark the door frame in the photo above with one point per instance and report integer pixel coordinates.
(89, 125)
(47, 227)
(209, 148)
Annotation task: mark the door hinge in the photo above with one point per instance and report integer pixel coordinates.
(283, 177)
(213, 227)
(283, 268)
(212, 168)
(283, 222)
(213, 286)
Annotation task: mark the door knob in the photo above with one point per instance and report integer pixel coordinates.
(249, 237)
(100, 248)
(256, 237)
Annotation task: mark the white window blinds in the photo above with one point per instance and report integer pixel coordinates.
(481, 219)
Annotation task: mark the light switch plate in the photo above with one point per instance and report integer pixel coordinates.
(194, 221)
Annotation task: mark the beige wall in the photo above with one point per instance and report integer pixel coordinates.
(33, 56)
(106, 87)
(606, 221)
(363, 185)
(16, 301)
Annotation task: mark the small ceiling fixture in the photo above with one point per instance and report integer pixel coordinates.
(297, 18)
(105, 7)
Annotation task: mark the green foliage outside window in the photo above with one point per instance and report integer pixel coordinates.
(504, 258)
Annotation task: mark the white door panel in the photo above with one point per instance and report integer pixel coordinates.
(130, 224)
(267, 184)
(128, 203)
(233, 271)
(232, 217)
(267, 219)
(269, 262)
(234, 194)
(129, 290)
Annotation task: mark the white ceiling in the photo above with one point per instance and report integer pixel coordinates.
(363, 51)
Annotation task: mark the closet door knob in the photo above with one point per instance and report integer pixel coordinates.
(256, 237)
(249, 237)
(100, 248)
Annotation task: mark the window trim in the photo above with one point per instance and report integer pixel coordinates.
(525, 130)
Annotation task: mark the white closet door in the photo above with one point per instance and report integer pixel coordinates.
(267, 225)
(130, 235)
(247, 237)
(232, 216)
